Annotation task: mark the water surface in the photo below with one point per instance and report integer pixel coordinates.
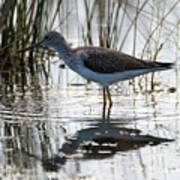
(59, 133)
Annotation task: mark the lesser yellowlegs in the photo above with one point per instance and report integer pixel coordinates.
(102, 65)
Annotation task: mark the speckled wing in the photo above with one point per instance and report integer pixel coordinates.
(105, 60)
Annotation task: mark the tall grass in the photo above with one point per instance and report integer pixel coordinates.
(140, 28)
(124, 24)
(23, 23)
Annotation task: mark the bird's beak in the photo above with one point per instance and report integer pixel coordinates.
(31, 47)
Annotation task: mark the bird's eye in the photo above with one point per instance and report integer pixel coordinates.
(46, 37)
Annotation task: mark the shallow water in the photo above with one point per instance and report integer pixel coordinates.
(59, 133)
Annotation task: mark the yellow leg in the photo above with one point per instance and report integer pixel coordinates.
(109, 97)
(104, 103)
(104, 97)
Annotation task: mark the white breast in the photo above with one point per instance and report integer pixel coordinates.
(106, 79)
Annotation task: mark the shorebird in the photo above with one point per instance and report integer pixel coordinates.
(102, 65)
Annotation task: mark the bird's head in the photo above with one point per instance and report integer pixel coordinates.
(52, 39)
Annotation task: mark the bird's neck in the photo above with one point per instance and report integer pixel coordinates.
(64, 50)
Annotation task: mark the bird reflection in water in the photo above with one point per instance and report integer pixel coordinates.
(101, 140)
